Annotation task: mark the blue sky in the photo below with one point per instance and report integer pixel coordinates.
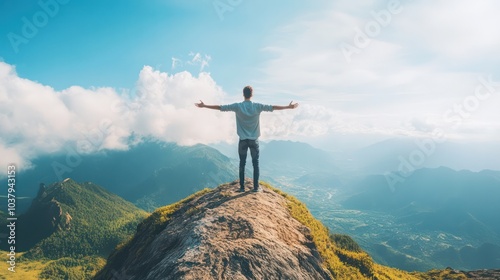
(106, 43)
(94, 75)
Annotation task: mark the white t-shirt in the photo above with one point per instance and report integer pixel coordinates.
(247, 117)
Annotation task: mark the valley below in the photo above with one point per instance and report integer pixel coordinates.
(391, 240)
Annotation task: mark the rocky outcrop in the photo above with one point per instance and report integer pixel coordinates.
(486, 274)
(49, 213)
(65, 222)
(450, 273)
(42, 192)
(221, 235)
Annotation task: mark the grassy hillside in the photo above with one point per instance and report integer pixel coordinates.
(99, 221)
(70, 229)
(64, 268)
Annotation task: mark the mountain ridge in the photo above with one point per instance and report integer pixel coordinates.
(83, 208)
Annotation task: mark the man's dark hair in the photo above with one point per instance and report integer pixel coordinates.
(247, 91)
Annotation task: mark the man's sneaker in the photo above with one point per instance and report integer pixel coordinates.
(257, 189)
(241, 190)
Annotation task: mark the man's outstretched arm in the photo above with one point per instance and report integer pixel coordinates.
(290, 106)
(203, 105)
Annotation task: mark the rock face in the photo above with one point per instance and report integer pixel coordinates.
(222, 235)
(44, 217)
(49, 213)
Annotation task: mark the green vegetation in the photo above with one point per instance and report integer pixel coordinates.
(82, 224)
(446, 274)
(345, 242)
(26, 270)
(74, 269)
(157, 221)
(99, 221)
(64, 268)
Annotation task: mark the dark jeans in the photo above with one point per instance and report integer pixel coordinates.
(243, 147)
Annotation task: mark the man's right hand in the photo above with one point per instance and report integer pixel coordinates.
(203, 105)
(200, 105)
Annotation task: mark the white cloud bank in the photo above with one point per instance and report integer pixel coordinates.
(35, 119)
(393, 67)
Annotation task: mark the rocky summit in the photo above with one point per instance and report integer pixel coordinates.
(222, 234)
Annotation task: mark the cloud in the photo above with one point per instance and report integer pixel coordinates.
(455, 30)
(408, 69)
(11, 156)
(175, 62)
(200, 59)
(36, 119)
(167, 112)
(196, 59)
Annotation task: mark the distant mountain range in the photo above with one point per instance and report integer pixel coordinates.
(461, 207)
(286, 158)
(150, 174)
(389, 155)
(295, 158)
(135, 173)
(438, 198)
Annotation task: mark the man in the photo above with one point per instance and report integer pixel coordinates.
(248, 129)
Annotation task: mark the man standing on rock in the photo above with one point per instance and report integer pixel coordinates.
(248, 129)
